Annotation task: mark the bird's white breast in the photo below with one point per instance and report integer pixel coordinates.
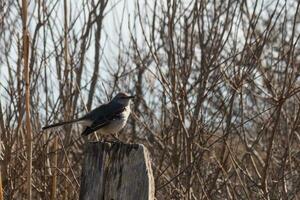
(117, 124)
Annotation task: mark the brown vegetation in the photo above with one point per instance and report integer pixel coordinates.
(217, 86)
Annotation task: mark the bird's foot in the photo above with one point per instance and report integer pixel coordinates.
(113, 140)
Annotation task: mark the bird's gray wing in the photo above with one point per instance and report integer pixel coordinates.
(102, 116)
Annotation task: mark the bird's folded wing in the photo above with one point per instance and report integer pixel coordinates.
(112, 112)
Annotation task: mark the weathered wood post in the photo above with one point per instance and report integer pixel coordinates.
(116, 171)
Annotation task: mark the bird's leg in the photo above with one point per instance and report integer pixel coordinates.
(115, 138)
(105, 139)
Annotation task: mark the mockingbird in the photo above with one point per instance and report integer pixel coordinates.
(108, 118)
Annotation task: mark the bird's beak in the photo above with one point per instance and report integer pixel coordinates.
(130, 97)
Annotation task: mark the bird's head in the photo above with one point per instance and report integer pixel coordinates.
(122, 98)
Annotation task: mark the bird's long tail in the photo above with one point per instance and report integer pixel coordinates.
(62, 123)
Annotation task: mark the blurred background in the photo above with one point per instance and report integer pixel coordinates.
(216, 83)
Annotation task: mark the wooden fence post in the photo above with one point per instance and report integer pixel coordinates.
(116, 171)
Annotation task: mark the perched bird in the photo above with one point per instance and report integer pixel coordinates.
(108, 118)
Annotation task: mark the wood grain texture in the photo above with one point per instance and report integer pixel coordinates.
(115, 171)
